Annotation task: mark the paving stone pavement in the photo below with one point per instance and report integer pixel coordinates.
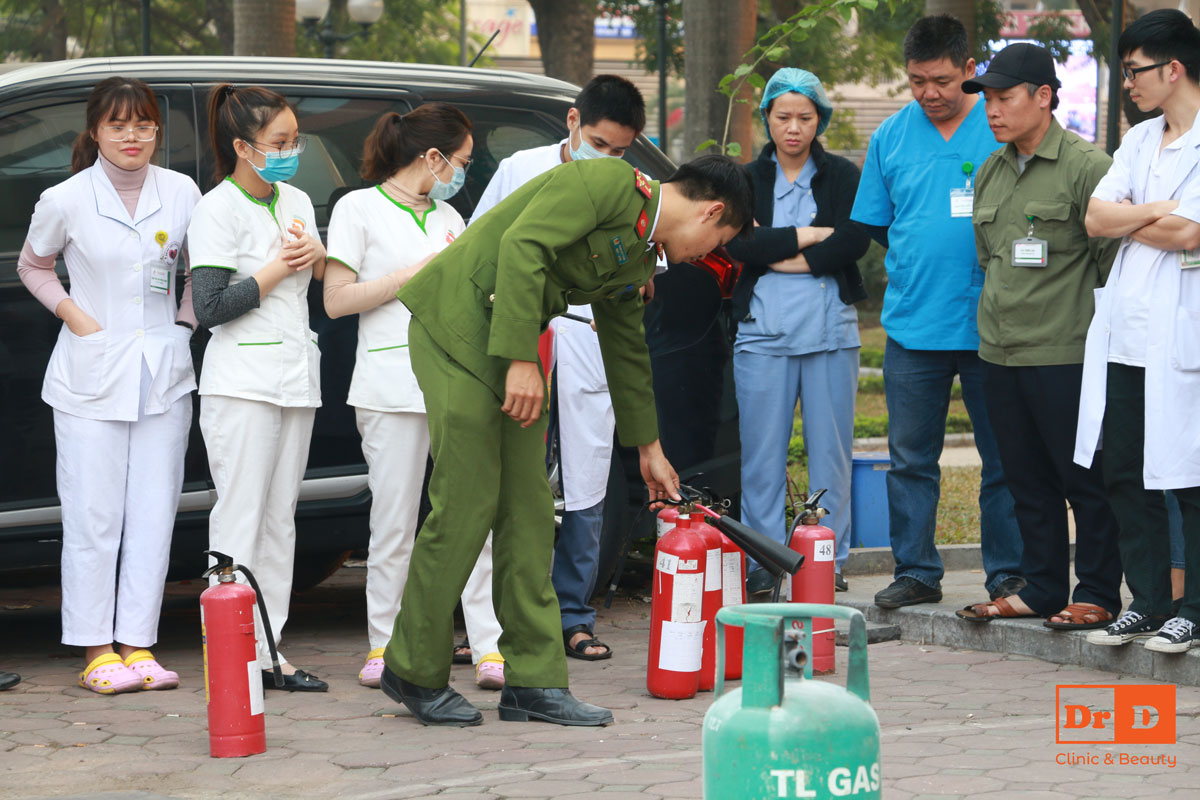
(956, 723)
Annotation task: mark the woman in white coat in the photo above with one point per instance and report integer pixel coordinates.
(380, 237)
(120, 379)
(254, 250)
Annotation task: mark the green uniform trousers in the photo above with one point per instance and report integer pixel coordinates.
(488, 473)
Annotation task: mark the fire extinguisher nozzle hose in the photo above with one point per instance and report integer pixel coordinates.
(225, 562)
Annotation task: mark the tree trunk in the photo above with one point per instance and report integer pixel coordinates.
(221, 14)
(567, 38)
(52, 39)
(716, 35)
(264, 27)
(962, 10)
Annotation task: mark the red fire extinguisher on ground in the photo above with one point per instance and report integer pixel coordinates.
(813, 582)
(711, 603)
(733, 592)
(233, 687)
(676, 612)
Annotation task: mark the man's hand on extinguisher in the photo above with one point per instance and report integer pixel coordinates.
(660, 477)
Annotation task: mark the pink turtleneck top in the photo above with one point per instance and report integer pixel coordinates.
(37, 272)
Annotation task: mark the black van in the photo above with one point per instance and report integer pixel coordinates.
(337, 102)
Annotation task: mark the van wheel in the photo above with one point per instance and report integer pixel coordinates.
(310, 571)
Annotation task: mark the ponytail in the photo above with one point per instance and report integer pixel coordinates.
(396, 141)
(238, 113)
(112, 98)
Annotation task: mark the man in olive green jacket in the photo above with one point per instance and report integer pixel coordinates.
(584, 232)
(1041, 272)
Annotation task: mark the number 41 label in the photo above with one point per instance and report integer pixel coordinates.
(823, 551)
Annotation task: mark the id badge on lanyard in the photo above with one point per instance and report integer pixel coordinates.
(1030, 251)
(962, 201)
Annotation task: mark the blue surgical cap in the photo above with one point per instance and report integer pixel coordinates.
(791, 79)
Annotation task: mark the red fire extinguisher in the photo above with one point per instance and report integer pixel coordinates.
(813, 582)
(676, 612)
(711, 603)
(233, 687)
(666, 520)
(733, 592)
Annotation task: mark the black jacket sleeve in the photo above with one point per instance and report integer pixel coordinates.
(848, 242)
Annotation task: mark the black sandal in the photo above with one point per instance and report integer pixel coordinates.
(580, 649)
(461, 658)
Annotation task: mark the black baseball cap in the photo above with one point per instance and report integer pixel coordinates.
(1017, 63)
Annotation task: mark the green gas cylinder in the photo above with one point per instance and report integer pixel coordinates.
(782, 734)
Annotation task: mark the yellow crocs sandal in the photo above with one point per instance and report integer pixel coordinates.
(489, 672)
(107, 674)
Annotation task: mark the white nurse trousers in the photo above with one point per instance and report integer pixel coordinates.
(395, 445)
(257, 452)
(119, 484)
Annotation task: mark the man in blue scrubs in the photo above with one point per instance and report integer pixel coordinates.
(916, 197)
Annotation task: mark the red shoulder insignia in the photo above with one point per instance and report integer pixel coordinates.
(643, 222)
(642, 184)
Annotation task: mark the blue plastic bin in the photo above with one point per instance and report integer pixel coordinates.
(868, 500)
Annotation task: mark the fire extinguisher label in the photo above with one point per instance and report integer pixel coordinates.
(686, 596)
(667, 563)
(680, 645)
(731, 579)
(254, 676)
(823, 551)
(712, 570)
(691, 564)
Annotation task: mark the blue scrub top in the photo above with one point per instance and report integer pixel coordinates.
(795, 314)
(934, 277)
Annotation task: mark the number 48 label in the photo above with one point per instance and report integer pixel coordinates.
(823, 551)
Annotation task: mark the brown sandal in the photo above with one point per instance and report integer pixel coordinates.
(1090, 616)
(979, 611)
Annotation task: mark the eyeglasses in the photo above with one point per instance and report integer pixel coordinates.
(1132, 72)
(298, 144)
(467, 162)
(119, 133)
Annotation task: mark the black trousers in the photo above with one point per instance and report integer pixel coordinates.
(1142, 512)
(1034, 411)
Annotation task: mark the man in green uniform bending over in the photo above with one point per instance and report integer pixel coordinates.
(584, 232)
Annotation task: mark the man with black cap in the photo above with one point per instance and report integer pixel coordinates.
(1041, 270)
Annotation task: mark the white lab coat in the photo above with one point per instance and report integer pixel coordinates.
(374, 236)
(109, 257)
(586, 420)
(1172, 427)
(268, 354)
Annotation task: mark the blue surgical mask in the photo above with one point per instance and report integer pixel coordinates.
(442, 190)
(585, 150)
(279, 166)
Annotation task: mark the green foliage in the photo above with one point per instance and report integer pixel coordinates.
(109, 27)
(874, 276)
(870, 427)
(424, 31)
(958, 423)
(645, 19)
(870, 384)
(870, 357)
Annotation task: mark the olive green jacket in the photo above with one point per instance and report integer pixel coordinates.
(569, 236)
(1039, 316)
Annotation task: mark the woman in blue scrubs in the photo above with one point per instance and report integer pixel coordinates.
(797, 337)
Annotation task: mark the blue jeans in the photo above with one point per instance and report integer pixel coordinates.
(576, 561)
(917, 384)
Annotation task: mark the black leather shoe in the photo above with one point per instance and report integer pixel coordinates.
(907, 591)
(1007, 587)
(519, 703)
(8, 680)
(300, 681)
(430, 706)
(759, 582)
(839, 583)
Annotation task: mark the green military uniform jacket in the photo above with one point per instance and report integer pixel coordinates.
(1039, 316)
(573, 235)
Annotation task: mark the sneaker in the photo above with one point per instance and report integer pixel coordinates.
(1176, 636)
(906, 591)
(1129, 626)
(839, 583)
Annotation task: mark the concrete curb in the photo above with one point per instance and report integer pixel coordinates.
(937, 624)
(879, 560)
